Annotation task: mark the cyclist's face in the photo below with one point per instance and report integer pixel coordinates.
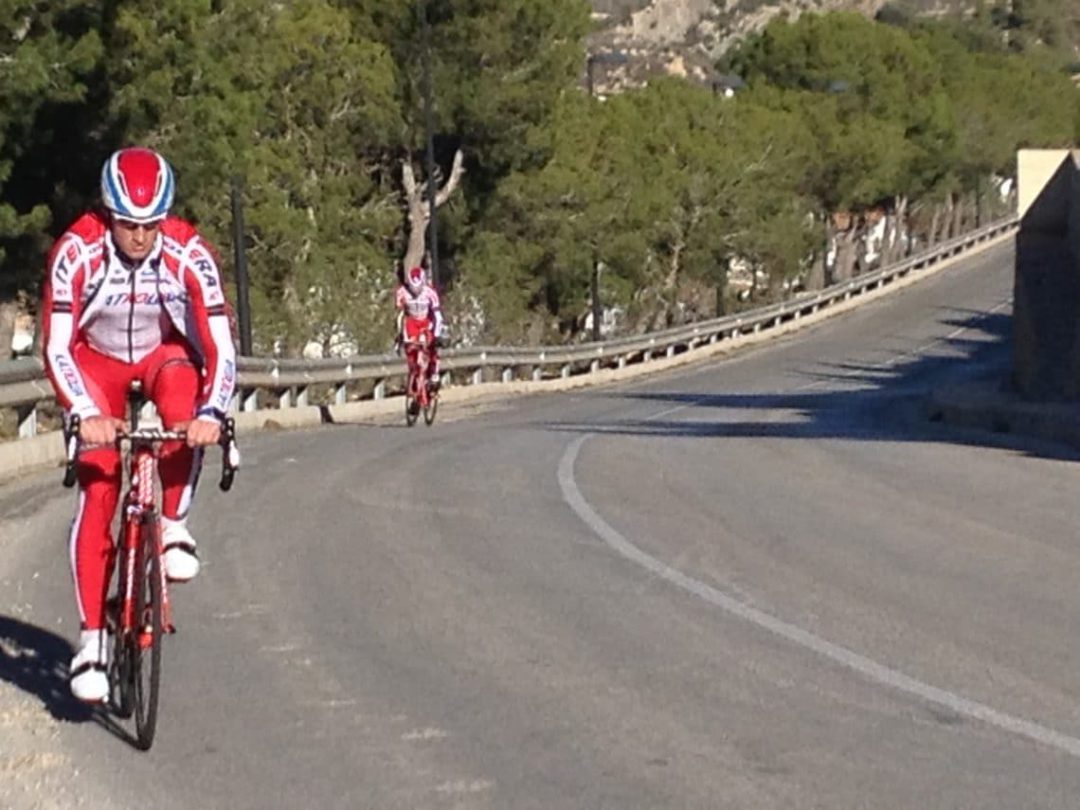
(134, 239)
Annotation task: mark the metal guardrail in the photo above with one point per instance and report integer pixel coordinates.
(285, 383)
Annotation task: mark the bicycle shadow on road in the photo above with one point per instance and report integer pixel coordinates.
(35, 660)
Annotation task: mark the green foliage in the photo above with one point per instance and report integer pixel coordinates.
(47, 54)
(289, 98)
(662, 187)
(315, 104)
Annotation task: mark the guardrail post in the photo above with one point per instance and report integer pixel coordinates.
(476, 377)
(564, 372)
(594, 366)
(27, 416)
(379, 391)
(646, 355)
(285, 398)
(670, 351)
(537, 374)
(341, 394)
(302, 397)
(621, 362)
(757, 328)
(250, 400)
(508, 374)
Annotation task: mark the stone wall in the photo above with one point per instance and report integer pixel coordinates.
(1046, 308)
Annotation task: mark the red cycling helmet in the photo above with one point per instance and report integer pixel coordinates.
(137, 185)
(415, 279)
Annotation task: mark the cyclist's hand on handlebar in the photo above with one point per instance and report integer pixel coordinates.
(100, 430)
(201, 432)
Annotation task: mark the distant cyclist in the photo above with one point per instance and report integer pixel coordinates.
(419, 313)
(133, 294)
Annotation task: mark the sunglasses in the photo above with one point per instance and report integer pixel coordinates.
(132, 227)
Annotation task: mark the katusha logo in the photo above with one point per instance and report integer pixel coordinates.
(68, 372)
(123, 299)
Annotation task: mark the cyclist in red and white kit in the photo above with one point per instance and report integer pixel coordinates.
(133, 294)
(419, 311)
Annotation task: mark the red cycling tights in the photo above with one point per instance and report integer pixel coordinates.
(171, 381)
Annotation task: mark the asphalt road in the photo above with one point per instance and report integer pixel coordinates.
(763, 583)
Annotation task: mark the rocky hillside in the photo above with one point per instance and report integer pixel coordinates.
(685, 37)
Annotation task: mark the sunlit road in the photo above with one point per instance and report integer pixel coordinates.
(764, 583)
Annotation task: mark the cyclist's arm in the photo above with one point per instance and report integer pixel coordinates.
(436, 312)
(60, 308)
(207, 301)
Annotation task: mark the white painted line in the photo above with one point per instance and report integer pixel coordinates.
(859, 663)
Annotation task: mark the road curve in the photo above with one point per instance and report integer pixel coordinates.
(765, 582)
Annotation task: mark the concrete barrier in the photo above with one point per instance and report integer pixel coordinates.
(1046, 312)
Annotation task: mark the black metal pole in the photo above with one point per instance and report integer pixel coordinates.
(595, 293)
(594, 281)
(429, 126)
(243, 303)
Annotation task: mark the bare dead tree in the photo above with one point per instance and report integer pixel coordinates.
(419, 208)
(8, 311)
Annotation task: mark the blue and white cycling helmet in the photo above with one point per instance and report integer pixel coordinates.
(137, 185)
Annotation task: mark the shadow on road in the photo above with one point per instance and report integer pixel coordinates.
(36, 661)
(867, 401)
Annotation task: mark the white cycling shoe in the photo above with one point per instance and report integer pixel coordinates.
(89, 676)
(181, 560)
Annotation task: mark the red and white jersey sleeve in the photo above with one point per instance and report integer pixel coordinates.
(68, 269)
(208, 324)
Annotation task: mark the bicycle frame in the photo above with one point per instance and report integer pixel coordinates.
(418, 356)
(140, 505)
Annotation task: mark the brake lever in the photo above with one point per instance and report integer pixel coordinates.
(230, 455)
(71, 449)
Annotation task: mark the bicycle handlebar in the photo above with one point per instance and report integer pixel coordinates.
(230, 456)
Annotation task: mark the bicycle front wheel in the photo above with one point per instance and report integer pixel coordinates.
(431, 407)
(145, 640)
(412, 404)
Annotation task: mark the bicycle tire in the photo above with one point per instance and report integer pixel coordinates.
(121, 679)
(121, 682)
(431, 407)
(145, 641)
(412, 404)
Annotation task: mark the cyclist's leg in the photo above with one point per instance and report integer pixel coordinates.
(433, 367)
(172, 381)
(414, 330)
(99, 475)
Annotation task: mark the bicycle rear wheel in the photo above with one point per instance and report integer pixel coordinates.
(145, 641)
(121, 679)
(121, 662)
